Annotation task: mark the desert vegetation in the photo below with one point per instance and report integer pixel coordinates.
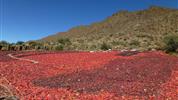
(171, 43)
(142, 30)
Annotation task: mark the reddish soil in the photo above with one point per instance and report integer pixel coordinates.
(90, 76)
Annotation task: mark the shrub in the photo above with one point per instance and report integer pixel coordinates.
(64, 41)
(59, 47)
(135, 43)
(171, 43)
(105, 46)
(4, 43)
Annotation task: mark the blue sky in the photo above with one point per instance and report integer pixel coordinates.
(23, 20)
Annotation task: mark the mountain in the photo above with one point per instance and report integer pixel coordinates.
(142, 30)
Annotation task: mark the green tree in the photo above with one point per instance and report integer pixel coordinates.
(105, 46)
(19, 43)
(4, 43)
(171, 43)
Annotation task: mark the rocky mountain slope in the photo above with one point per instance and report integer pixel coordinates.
(142, 30)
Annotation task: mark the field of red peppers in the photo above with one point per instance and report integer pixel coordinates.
(91, 75)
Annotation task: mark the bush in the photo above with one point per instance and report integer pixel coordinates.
(4, 43)
(135, 43)
(59, 47)
(171, 43)
(105, 46)
(64, 41)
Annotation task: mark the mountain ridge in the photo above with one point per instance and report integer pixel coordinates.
(122, 28)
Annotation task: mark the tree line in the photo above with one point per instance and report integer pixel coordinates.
(61, 44)
(170, 44)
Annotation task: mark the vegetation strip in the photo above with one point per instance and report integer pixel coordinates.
(29, 60)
